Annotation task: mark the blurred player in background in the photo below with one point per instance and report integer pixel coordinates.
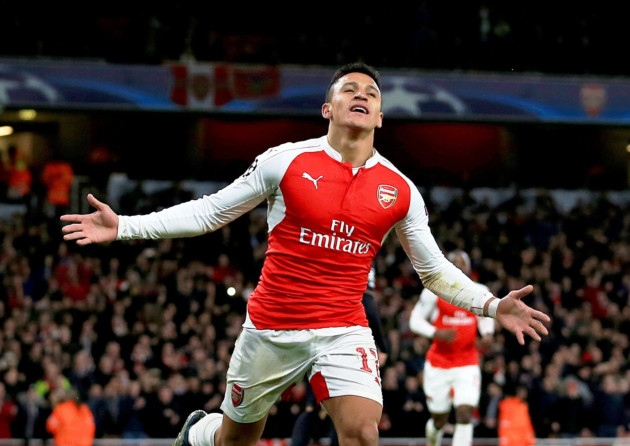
(452, 374)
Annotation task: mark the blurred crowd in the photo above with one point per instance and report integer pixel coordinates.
(557, 37)
(143, 330)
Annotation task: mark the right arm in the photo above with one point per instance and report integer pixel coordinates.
(192, 218)
(195, 217)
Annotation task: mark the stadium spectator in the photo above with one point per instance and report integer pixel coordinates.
(96, 400)
(8, 413)
(515, 426)
(82, 375)
(14, 381)
(489, 410)
(20, 178)
(52, 378)
(71, 421)
(346, 157)
(609, 411)
(163, 413)
(57, 177)
(131, 412)
(33, 411)
(573, 410)
(452, 375)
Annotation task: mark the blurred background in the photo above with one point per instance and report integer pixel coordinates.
(513, 119)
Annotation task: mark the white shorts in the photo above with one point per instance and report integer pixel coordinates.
(457, 386)
(265, 363)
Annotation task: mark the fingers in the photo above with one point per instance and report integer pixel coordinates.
(531, 331)
(534, 329)
(540, 327)
(74, 235)
(73, 227)
(71, 217)
(519, 294)
(74, 231)
(92, 200)
(77, 236)
(99, 205)
(540, 316)
(533, 334)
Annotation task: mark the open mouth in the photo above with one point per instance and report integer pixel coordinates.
(359, 110)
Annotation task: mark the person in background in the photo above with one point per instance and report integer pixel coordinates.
(515, 423)
(33, 411)
(20, 178)
(8, 412)
(331, 202)
(452, 374)
(57, 177)
(71, 422)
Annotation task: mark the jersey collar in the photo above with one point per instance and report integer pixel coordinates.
(372, 161)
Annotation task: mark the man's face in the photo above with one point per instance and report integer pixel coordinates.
(356, 102)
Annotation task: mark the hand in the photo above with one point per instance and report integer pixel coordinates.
(515, 316)
(100, 226)
(445, 334)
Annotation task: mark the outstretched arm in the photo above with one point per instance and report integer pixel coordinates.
(101, 226)
(188, 219)
(447, 281)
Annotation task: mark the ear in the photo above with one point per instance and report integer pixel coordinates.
(380, 121)
(326, 110)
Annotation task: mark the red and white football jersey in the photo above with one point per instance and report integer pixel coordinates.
(432, 313)
(327, 221)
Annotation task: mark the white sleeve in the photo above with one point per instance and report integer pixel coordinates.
(192, 218)
(436, 272)
(424, 311)
(210, 212)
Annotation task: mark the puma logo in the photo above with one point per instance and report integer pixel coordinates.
(310, 178)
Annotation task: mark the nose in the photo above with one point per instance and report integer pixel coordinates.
(360, 93)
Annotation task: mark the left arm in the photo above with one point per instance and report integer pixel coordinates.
(450, 283)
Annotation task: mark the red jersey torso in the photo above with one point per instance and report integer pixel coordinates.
(463, 350)
(330, 224)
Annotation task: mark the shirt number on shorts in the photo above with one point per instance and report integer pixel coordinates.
(366, 358)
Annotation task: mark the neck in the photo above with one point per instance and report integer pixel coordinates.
(355, 149)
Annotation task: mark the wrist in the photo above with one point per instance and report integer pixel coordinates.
(490, 307)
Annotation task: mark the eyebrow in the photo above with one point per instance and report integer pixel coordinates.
(356, 85)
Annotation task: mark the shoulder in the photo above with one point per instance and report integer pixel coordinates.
(294, 148)
(275, 160)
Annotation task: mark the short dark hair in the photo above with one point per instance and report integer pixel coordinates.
(353, 67)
